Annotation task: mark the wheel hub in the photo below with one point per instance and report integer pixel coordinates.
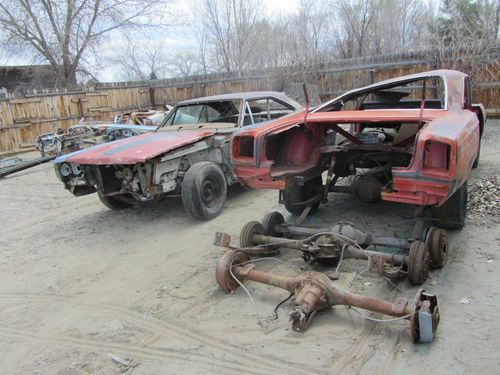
(222, 270)
(424, 317)
(208, 191)
(437, 243)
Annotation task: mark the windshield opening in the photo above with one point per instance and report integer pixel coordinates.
(226, 111)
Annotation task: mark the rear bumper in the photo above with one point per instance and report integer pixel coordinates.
(424, 192)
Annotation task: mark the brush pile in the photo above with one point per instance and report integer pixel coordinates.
(484, 197)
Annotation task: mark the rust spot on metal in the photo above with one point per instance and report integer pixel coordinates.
(314, 291)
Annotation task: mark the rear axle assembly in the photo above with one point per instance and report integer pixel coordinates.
(343, 241)
(314, 291)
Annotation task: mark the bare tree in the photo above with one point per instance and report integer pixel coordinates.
(464, 39)
(231, 30)
(61, 33)
(407, 29)
(355, 19)
(185, 64)
(203, 51)
(491, 17)
(140, 59)
(310, 29)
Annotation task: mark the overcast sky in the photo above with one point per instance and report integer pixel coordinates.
(175, 38)
(178, 38)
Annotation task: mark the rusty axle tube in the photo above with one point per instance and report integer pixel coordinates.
(249, 272)
(398, 308)
(309, 231)
(314, 291)
(349, 252)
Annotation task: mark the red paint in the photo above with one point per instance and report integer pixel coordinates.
(430, 178)
(436, 155)
(138, 149)
(299, 147)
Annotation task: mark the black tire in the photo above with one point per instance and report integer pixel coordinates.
(452, 214)
(204, 190)
(112, 203)
(296, 194)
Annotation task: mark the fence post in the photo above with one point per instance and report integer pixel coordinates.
(152, 96)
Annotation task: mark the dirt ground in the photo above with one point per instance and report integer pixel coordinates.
(86, 290)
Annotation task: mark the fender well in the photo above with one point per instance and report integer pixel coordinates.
(481, 115)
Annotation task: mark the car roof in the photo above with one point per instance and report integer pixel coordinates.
(242, 96)
(453, 81)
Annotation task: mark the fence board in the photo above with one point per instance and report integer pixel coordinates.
(23, 118)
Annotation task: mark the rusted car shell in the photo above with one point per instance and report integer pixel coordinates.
(456, 125)
(189, 157)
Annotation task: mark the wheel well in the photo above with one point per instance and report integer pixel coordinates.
(481, 115)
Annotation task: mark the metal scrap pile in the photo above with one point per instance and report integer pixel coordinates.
(484, 197)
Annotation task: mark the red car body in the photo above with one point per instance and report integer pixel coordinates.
(425, 167)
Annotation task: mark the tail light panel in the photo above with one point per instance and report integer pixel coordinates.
(437, 156)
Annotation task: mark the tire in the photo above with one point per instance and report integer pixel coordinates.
(204, 190)
(452, 214)
(112, 203)
(295, 194)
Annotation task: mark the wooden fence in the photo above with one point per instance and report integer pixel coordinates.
(23, 117)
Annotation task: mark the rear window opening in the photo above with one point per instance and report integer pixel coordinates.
(408, 95)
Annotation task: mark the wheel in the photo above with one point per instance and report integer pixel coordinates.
(418, 263)
(296, 194)
(204, 190)
(127, 133)
(270, 221)
(111, 202)
(423, 328)
(222, 275)
(451, 214)
(114, 135)
(437, 244)
(247, 233)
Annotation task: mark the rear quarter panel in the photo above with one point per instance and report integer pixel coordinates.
(459, 129)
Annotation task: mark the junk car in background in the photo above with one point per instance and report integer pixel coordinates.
(90, 133)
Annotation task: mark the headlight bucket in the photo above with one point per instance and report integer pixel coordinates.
(65, 170)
